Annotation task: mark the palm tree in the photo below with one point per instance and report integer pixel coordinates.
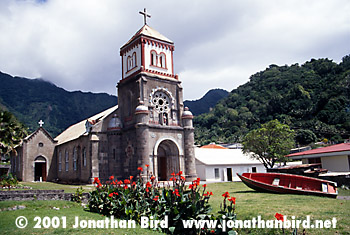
(11, 132)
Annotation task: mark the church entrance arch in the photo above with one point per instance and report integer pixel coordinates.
(168, 159)
(40, 168)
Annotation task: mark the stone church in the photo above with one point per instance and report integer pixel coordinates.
(150, 125)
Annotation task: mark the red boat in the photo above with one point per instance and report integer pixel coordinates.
(287, 183)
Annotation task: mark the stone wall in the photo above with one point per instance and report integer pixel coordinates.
(28, 195)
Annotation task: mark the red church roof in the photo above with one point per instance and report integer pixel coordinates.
(329, 149)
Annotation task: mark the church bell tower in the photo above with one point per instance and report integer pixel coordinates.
(157, 129)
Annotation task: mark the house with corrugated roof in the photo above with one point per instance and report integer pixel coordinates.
(334, 158)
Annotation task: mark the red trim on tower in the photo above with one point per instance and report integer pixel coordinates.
(122, 66)
(142, 53)
(172, 62)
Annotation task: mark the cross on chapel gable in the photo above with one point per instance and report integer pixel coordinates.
(41, 123)
(145, 15)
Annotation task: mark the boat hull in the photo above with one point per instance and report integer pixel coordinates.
(288, 183)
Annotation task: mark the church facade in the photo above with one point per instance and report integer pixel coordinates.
(150, 124)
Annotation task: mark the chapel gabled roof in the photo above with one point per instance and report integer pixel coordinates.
(148, 31)
(76, 130)
(29, 137)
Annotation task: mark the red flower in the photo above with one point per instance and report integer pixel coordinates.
(99, 185)
(131, 177)
(147, 165)
(226, 195)
(279, 216)
(180, 173)
(183, 178)
(153, 178)
(211, 194)
(133, 183)
(172, 179)
(156, 198)
(96, 180)
(148, 184)
(176, 192)
(204, 185)
(173, 174)
(110, 195)
(115, 193)
(191, 186)
(147, 190)
(233, 200)
(112, 177)
(125, 186)
(140, 168)
(198, 179)
(126, 181)
(120, 182)
(113, 182)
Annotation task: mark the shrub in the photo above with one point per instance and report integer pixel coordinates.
(133, 199)
(8, 181)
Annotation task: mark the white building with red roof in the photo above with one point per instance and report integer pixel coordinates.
(335, 158)
(217, 163)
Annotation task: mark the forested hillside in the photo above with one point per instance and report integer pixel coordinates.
(208, 101)
(314, 96)
(33, 99)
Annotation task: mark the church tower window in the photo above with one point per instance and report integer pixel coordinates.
(162, 60)
(162, 101)
(154, 58)
(131, 62)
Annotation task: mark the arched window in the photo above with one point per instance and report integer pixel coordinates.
(134, 64)
(75, 154)
(66, 160)
(162, 60)
(59, 161)
(84, 157)
(153, 58)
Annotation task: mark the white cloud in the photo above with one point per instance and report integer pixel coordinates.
(75, 44)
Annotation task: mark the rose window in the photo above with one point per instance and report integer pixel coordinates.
(161, 101)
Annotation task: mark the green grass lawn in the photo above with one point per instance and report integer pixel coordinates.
(249, 204)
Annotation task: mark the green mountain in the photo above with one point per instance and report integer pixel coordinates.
(31, 100)
(314, 96)
(208, 101)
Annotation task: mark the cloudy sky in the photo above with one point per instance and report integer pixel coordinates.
(218, 44)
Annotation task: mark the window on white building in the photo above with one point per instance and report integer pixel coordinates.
(216, 173)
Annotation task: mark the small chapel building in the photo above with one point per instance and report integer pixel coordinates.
(150, 125)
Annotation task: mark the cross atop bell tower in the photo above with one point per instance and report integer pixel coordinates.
(145, 15)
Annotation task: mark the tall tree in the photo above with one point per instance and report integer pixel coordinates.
(270, 143)
(11, 132)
